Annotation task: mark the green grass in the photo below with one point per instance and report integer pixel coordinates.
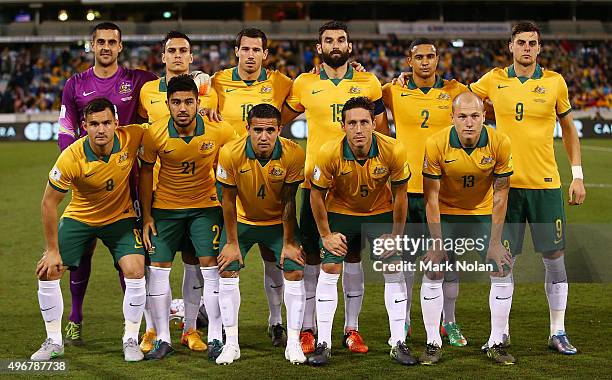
(23, 170)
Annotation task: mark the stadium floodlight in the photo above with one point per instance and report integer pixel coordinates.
(457, 43)
(90, 15)
(167, 14)
(62, 15)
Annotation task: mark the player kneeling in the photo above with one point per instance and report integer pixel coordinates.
(351, 187)
(260, 174)
(466, 180)
(97, 169)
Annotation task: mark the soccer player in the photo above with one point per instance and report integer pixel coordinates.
(122, 87)
(97, 169)
(322, 96)
(177, 56)
(260, 173)
(234, 92)
(420, 109)
(185, 205)
(466, 181)
(350, 187)
(527, 100)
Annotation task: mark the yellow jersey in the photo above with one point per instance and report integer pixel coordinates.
(233, 97)
(466, 174)
(100, 185)
(419, 113)
(186, 176)
(526, 110)
(322, 99)
(259, 183)
(360, 188)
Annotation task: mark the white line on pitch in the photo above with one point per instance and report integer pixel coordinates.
(597, 148)
(602, 185)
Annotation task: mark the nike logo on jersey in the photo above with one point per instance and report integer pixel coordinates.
(89, 174)
(47, 308)
(230, 89)
(345, 173)
(449, 161)
(320, 300)
(429, 299)
(355, 296)
(87, 93)
(502, 299)
(131, 304)
(155, 101)
(198, 287)
(276, 287)
(398, 301)
(169, 151)
(500, 86)
(244, 171)
(403, 94)
(316, 91)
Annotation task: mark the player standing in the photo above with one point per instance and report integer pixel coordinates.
(322, 96)
(122, 87)
(97, 169)
(527, 100)
(177, 56)
(420, 109)
(185, 205)
(350, 187)
(466, 180)
(234, 92)
(260, 174)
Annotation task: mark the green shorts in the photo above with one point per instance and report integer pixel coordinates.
(122, 238)
(268, 236)
(175, 228)
(544, 211)
(416, 223)
(351, 227)
(308, 226)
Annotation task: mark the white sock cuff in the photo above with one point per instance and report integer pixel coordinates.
(393, 277)
(502, 281)
(135, 282)
(329, 278)
(433, 284)
(48, 284)
(230, 281)
(294, 287)
(210, 273)
(352, 268)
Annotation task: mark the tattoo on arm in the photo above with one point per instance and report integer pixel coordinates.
(500, 183)
(288, 193)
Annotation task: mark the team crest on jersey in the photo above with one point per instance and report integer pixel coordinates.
(123, 157)
(125, 87)
(380, 171)
(207, 145)
(265, 89)
(355, 90)
(276, 173)
(444, 96)
(540, 90)
(486, 160)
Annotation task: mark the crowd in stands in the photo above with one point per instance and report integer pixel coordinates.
(32, 76)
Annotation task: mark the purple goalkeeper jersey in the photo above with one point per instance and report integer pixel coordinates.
(122, 89)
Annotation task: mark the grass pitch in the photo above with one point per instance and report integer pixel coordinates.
(23, 171)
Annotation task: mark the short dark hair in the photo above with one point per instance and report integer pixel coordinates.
(106, 26)
(252, 33)
(183, 82)
(99, 105)
(421, 41)
(525, 26)
(175, 34)
(358, 102)
(264, 111)
(332, 25)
